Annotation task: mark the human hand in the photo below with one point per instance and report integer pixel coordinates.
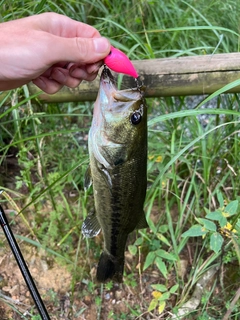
(51, 50)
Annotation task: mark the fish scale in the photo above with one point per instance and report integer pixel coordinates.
(117, 171)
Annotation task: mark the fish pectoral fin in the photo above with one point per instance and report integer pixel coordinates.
(107, 178)
(87, 178)
(91, 226)
(142, 223)
(106, 175)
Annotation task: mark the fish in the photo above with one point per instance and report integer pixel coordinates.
(117, 144)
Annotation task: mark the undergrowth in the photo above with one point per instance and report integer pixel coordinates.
(192, 202)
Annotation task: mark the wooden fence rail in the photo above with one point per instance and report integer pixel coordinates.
(194, 75)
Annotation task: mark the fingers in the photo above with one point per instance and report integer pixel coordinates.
(57, 81)
(63, 77)
(53, 80)
(93, 68)
(78, 50)
(47, 85)
(86, 72)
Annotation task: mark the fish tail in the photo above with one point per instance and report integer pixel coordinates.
(109, 268)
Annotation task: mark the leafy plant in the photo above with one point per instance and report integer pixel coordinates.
(160, 296)
(216, 225)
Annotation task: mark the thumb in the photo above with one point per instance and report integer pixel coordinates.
(80, 50)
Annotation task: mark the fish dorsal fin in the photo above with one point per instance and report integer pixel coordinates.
(87, 178)
(91, 226)
(142, 223)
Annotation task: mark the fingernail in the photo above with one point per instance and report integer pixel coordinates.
(93, 68)
(101, 45)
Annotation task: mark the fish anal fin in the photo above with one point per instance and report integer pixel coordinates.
(91, 226)
(87, 178)
(142, 223)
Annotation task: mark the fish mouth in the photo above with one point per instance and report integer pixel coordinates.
(106, 75)
(107, 85)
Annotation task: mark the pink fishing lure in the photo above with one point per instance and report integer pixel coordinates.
(119, 62)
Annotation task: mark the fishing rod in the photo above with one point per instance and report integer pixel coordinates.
(22, 265)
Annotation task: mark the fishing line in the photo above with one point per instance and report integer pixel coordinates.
(22, 265)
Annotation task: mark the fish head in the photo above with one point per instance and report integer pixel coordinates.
(119, 126)
(120, 116)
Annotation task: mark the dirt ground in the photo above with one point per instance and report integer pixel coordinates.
(54, 284)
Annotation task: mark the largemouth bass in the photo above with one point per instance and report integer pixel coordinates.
(118, 172)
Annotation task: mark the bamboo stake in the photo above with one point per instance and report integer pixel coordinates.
(194, 75)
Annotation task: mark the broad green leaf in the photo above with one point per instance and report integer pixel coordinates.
(149, 260)
(166, 255)
(161, 266)
(220, 199)
(209, 225)
(139, 241)
(164, 228)
(163, 239)
(237, 247)
(238, 223)
(174, 288)
(231, 208)
(237, 226)
(152, 226)
(222, 221)
(159, 287)
(216, 241)
(165, 296)
(161, 307)
(195, 231)
(152, 305)
(215, 215)
(132, 249)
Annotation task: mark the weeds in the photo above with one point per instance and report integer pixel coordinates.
(193, 167)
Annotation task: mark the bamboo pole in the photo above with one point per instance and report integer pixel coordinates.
(194, 75)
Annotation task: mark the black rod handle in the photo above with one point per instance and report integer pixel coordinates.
(22, 266)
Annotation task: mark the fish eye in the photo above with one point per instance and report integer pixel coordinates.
(136, 118)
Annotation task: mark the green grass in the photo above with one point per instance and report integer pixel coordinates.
(189, 164)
